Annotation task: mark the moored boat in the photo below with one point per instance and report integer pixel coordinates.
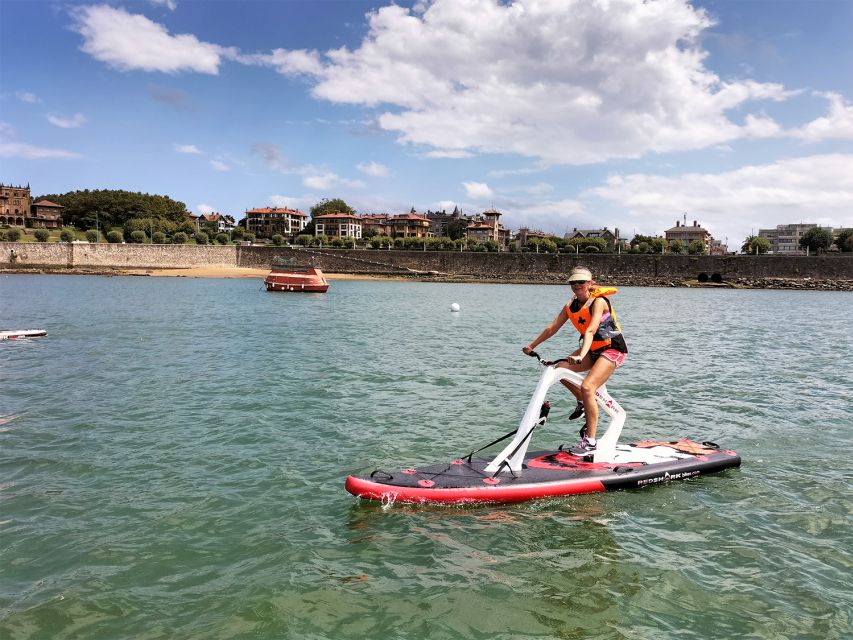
(297, 279)
(15, 334)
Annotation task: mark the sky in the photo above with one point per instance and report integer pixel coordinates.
(560, 114)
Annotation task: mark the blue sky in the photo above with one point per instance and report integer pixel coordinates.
(558, 113)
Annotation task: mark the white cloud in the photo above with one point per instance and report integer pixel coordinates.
(128, 41)
(313, 177)
(74, 122)
(10, 147)
(290, 63)
(374, 169)
(187, 148)
(171, 5)
(205, 208)
(327, 180)
(302, 203)
(219, 165)
(478, 190)
(565, 81)
(26, 96)
(453, 155)
(837, 125)
(808, 189)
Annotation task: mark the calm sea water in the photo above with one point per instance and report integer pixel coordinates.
(172, 459)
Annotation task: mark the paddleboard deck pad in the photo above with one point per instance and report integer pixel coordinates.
(545, 474)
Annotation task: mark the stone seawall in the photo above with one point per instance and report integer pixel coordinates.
(532, 267)
(832, 271)
(114, 256)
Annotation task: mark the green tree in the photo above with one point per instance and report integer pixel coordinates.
(278, 239)
(844, 241)
(580, 245)
(677, 246)
(41, 235)
(92, 235)
(158, 238)
(201, 238)
(138, 237)
(222, 238)
(756, 245)
(456, 229)
(639, 239)
(816, 239)
(379, 242)
(115, 207)
(180, 238)
(658, 245)
(67, 235)
(696, 248)
(114, 236)
(335, 205)
(14, 235)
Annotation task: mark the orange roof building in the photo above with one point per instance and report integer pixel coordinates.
(266, 222)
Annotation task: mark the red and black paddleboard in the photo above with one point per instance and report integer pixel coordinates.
(545, 474)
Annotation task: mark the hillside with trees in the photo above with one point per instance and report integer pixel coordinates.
(115, 208)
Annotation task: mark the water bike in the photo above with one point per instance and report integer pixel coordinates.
(515, 474)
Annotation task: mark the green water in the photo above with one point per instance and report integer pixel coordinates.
(172, 459)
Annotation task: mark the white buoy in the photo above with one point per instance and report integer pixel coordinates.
(455, 307)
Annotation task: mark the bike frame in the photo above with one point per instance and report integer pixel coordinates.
(511, 458)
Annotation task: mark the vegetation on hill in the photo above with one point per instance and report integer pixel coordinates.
(114, 208)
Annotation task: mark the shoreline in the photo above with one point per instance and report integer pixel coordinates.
(808, 284)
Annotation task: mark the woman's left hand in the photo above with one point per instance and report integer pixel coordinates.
(574, 359)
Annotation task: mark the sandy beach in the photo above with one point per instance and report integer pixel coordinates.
(238, 272)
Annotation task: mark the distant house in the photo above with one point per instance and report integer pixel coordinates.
(480, 231)
(439, 221)
(224, 223)
(611, 237)
(14, 205)
(380, 223)
(269, 221)
(410, 225)
(338, 225)
(45, 214)
(524, 234)
(499, 234)
(688, 234)
(785, 238)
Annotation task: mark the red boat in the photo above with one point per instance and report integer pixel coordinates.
(295, 278)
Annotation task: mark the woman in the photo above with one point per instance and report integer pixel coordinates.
(602, 349)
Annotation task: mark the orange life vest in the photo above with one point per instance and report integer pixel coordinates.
(608, 328)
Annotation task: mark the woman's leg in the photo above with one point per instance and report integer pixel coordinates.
(584, 365)
(598, 374)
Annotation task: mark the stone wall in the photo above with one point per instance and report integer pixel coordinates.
(547, 267)
(515, 267)
(103, 255)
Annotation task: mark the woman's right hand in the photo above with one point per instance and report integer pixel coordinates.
(526, 350)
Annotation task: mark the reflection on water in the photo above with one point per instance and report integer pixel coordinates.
(173, 458)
